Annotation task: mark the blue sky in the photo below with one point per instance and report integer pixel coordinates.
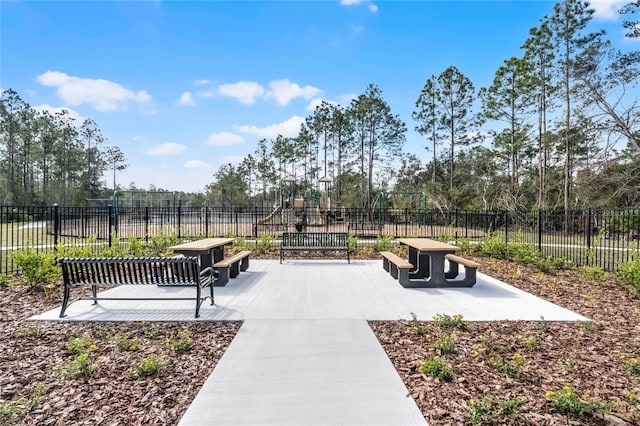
(183, 87)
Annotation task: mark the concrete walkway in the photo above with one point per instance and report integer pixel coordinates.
(305, 354)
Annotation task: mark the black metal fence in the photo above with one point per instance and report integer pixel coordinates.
(603, 238)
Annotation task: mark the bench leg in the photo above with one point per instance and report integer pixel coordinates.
(94, 293)
(385, 264)
(453, 271)
(198, 300)
(403, 277)
(65, 300)
(223, 277)
(469, 279)
(394, 271)
(234, 269)
(245, 264)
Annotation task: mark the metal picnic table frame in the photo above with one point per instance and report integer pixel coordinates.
(428, 258)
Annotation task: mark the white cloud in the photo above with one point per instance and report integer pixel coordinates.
(139, 139)
(347, 97)
(197, 164)
(205, 94)
(244, 91)
(283, 91)
(288, 128)
(372, 7)
(607, 9)
(201, 82)
(103, 95)
(187, 99)
(224, 139)
(53, 110)
(316, 102)
(169, 148)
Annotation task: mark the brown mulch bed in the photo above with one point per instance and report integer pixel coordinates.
(587, 355)
(33, 356)
(554, 353)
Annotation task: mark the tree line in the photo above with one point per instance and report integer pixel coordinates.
(558, 128)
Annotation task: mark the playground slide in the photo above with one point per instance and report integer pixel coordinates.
(275, 211)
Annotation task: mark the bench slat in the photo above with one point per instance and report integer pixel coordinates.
(462, 261)
(229, 260)
(397, 260)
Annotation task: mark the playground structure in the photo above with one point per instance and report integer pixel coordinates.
(312, 208)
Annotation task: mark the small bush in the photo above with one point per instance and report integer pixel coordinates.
(512, 368)
(446, 321)
(445, 344)
(383, 243)
(630, 274)
(592, 273)
(37, 268)
(181, 342)
(239, 244)
(151, 366)
(352, 242)
(631, 365)
(417, 326)
(264, 243)
(14, 410)
(488, 410)
(80, 345)
(435, 367)
(567, 402)
(125, 343)
(81, 365)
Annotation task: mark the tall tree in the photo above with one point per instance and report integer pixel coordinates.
(568, 22)
(380, 133)
(92, 138)
(632, 26)
(426, 113)
(456, 96)
(539, 52)
(117, 162)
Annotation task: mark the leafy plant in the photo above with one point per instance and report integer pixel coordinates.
(592, 273)
(532, 342)
(383, 243)
(80, 345)
(264, 243)
(181, 342)
(512, 368)
(239, 244)
(567, 402)
(417, 326)
(630, 274)
(488, 410)
(14, 410)
(150, 366)
(445, 344)
(435, 367)
(81, 365)
(447, 321)
(631, 365)
(125, 343)
(150, 330)
(352, 242)
(37, 268)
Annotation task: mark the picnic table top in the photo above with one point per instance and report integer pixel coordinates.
(204, 244)
(426, 244)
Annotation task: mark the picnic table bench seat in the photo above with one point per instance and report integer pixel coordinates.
(470, 267)
(396, 266)
(230, 267)
(159, 271)
(314, 241)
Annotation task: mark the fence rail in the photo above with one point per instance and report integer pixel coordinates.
(602, 238)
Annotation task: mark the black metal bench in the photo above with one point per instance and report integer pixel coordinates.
(160, 271)
(230, 267)
(314, 241)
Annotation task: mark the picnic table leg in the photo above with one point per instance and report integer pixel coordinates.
(453, 271)
(421, 262)
(437, 276)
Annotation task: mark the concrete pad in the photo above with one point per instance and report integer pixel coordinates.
(321, 289)
(304, 372)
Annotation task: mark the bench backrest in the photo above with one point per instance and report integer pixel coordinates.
(124, 271)
(325, 240)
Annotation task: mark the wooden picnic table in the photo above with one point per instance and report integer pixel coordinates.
(210, 250)
(428, 257)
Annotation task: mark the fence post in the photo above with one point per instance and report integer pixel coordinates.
(235, 214)
(588, 235)
(506, 227)
(110, 223)
(179, 218)
(255, 221)
(146, 224)
(456, 226)
(540, 231)
(56, 224)
(206, 221)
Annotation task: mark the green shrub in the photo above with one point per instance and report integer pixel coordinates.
(37, 268)
(447, 321)
(445, 344)
(181, 342)
(567, 402)
(80, 345)
(352, 242)
(512, 368)
(81, 365)
(14, 410)
(383, 243)
(417, 326)
(488, 410)
(150, 366)
(159, 245)
(630, 274)
(435, 367)
(239, 244)
(136, 247)
(264, 243)
(125, 343)
(592, 273)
